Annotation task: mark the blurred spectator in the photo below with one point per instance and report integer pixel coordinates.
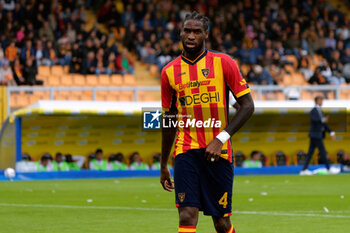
(98, 164)
(318, 78)
(73, 166)
(136, 162)
(50, 54)
(44, 165)
(6, 76)
(156, 162)
(124, 64)
(260, 75)
(18, 74)
(26, 164)
(254, 161)
(147, 54)
(337, 69)
(29, 73)
(89, 64)
(11, 51)
(304, 66)
(59, 164)
(101, 63)
(116, 162)
(27, 51)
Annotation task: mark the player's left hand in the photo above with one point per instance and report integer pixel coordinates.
(213, 150)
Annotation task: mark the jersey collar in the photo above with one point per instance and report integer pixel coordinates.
(192, 62)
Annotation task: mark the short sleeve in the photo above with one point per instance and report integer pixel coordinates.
(166, 92)
(234, 79)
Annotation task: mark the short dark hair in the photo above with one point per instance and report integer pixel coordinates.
(318, 97)
(194, 15)
(99, 150)
(254, 152)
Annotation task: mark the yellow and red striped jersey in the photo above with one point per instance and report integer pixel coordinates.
(199, 90)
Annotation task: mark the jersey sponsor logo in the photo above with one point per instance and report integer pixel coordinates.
(243, 82)
(194, 84)
(181, 197)
(180, 74)
(205, 72)
(210, 97)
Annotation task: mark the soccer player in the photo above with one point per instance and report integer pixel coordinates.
(194, 90)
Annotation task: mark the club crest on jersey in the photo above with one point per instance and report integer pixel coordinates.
(181, 196)
(205, 72)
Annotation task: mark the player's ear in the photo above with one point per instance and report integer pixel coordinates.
(206, 34)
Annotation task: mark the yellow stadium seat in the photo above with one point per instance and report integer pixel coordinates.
(154, 70)
(104, 80)
(91, 80)
(66, 80)
(129, 80)
(126, 96)
(44, 71)
(111, 98)
(79, 80)
(280, 95)
(61, 95)
(22, 101)
(145, 96)
(254, 94)
(116, 80)
(42, 78)
(345, 94)
(299, 79)
(305, 95)
(57, 70)
(85, 97)
(65, 69)
(287, 80)
(101, 95)
(53, 80)
(33, 98)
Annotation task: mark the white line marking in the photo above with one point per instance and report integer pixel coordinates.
(168, 210)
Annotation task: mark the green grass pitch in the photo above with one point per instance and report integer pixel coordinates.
(261, 204)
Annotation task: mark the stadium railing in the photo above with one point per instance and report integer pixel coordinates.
(27, 95)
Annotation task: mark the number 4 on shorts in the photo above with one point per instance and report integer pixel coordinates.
(223, 200)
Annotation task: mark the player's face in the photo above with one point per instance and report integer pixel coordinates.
(319, 101)
(193, 36)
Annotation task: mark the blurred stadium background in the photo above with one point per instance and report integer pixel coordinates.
(57, 53)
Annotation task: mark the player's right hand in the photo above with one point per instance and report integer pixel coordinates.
(165, 180)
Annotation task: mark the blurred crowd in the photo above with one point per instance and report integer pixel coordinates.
(260, 34)
(95, 161)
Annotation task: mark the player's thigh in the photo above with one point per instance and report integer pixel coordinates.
(186, 179)
(216, 188)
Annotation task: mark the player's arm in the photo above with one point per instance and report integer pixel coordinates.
(168, 137)
(246, 108)
(244, 112)
(168, 96)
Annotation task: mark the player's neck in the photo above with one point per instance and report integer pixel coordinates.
(192, 56)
